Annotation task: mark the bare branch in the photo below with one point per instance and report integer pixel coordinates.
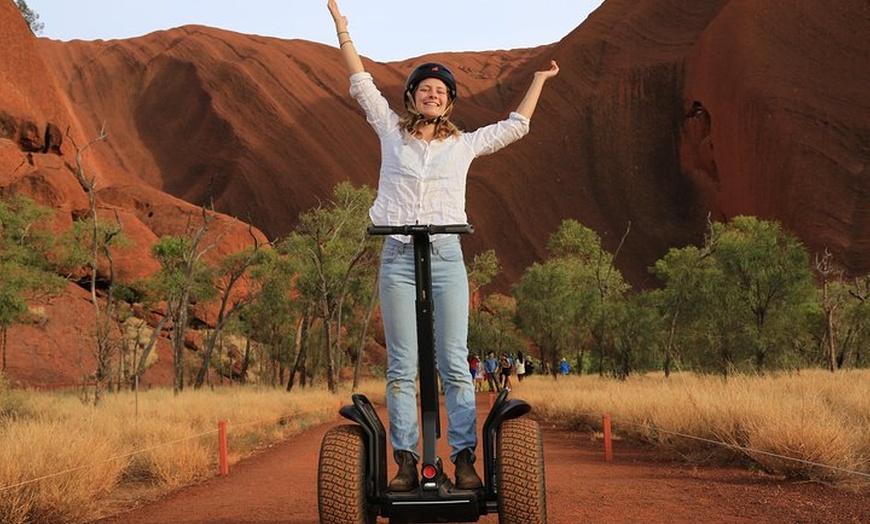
(79, 170)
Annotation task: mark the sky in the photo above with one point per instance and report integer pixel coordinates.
(426, 27)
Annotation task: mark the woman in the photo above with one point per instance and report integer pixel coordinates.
(424, 164)
(507, 367)
(520, 363)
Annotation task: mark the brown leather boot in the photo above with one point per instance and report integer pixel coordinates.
(466, 476)
(406, 479)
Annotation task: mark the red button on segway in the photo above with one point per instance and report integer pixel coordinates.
(429, 472)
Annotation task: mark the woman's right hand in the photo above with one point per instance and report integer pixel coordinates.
(345, 44)
(340, 20)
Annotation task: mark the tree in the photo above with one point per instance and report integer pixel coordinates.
(687, 274)
(581, 281)
(635, 331)
(364, 327)
(335, 251)
(832, 300)
(183, 276)
(855, 337)
(230, 271)
(30, 16)
(491, 326)
(484, 267)
(97, 238)
(551, 306)
(573, 240)
(24, 264)
(768, 271)
(599, 284)
(143, 359)
(276, 312)
(743, 300)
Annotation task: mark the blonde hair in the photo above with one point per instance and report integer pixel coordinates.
(412, 121)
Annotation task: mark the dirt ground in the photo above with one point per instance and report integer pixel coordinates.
(279, 485)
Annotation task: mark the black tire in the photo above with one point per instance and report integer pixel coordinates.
(520, 473)
(341, 496)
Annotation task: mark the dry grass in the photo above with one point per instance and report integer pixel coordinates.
(67, 491)
(813, 424)
(60, 458)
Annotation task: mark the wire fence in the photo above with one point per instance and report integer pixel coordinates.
(750, 451)
(284, 418)
(280, 420)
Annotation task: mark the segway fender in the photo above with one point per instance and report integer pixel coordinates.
(363, 413)
(502, 409)
(505, 409)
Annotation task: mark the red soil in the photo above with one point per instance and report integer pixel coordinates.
(640, 485)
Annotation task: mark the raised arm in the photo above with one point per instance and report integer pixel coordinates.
(348, 51)
(530, 101)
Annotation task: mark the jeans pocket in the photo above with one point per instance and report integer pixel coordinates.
(392, 250)
(449, 250)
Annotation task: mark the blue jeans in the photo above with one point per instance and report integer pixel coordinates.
(450, 296)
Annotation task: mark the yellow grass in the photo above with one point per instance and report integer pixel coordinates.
(813, 424)
(63, 461)
(60, 458)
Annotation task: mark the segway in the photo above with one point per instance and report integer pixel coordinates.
(352, 471)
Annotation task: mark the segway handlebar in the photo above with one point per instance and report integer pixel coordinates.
(449, 229)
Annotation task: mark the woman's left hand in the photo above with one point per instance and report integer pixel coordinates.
(549, 73)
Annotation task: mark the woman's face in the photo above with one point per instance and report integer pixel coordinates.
(431, 97)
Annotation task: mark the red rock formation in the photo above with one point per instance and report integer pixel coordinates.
(785, 91)
(664, 111)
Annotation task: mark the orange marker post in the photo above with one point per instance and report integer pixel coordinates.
(608, 442)
(222, 448)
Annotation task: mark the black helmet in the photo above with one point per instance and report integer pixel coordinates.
(430, 70)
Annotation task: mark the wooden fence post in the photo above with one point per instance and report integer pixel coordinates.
(222, 448)
(608, 441)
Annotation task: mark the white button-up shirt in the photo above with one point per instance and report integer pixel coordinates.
(424, 182)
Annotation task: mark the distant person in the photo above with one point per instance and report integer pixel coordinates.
(564, 368)
(478, 378)
(474, 368)
(490, 369)
(506, 365)
(422, 179)
(520, 365)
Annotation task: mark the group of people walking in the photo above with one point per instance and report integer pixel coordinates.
(497, 371)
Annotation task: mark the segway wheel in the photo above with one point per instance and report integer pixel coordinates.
(341, 496)
(520, 473)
